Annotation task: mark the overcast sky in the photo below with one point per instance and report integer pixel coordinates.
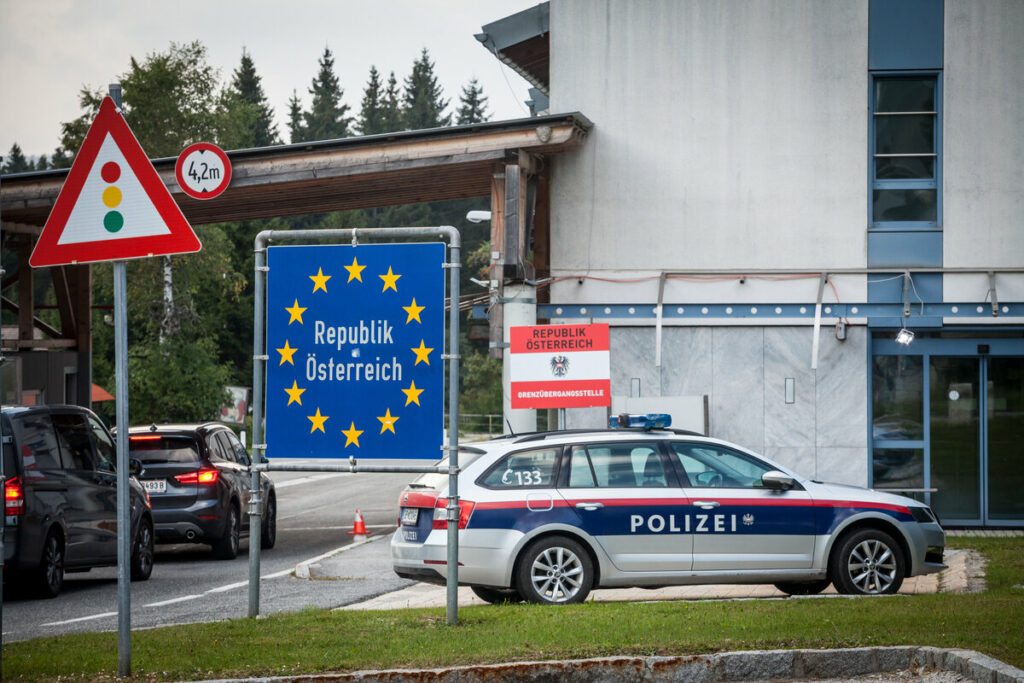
(50, 49)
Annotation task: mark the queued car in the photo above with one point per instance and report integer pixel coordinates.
(198, 480)
(60, 498)
(547, 517)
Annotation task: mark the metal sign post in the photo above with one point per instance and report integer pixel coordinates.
(373, 335)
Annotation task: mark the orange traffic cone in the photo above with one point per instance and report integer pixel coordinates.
(359, 528)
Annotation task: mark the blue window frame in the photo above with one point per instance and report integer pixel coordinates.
(905, 164)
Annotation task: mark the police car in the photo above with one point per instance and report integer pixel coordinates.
(548, 516)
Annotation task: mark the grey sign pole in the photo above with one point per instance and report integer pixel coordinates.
(258, 370)
(3, 487)
(124, 530)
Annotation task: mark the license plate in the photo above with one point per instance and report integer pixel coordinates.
(409, 535)
(410, 516)
(155, 485)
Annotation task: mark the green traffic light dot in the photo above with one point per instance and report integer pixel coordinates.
(113, 221)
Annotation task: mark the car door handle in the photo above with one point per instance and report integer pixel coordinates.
(706, 504)
(590, 506)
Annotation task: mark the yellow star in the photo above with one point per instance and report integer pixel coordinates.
(294, 394)
(355, 271)
(414, 312)
(318, 421)
(412, 394)
(352, 435)
(422, 354)
(320, 280)
(296, 312)
(389, 280)
(387, 422)
(287, 352)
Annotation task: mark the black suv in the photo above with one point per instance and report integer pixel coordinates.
(60, 498)
(198, 481)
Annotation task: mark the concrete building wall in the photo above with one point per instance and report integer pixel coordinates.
(719, 126)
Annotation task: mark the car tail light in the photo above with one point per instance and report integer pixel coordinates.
(14, 497)
(207, 475)
(145, 437)
(441, 513)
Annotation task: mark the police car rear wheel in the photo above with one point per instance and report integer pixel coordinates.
(555, 570)
(496, 596)
(868, 562)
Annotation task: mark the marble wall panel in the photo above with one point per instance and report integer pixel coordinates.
(787, 352)
(686, 361)
(632, 355)
(801, 460)
(586, 418)
(843, 466)
(842, 389)
(737, 400)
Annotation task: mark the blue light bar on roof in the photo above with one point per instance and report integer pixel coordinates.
(648, 421)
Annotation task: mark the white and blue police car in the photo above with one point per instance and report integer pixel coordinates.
(548, 516)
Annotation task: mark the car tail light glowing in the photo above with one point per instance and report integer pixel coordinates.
(441, 513)
(203, 476)
(145, 437)
(14, 497)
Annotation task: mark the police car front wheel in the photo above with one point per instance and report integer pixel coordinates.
(555, 570)
(868, 562)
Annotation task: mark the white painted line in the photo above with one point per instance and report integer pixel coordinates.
(173, 600)
(310, 479)
(228, 587)
(89, 618)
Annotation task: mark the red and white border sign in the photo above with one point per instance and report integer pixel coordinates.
(560, 366)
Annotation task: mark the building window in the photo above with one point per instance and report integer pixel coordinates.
(905, 151)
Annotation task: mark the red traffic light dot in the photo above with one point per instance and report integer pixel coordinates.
(110, 172)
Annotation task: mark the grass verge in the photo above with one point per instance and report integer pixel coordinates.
(315, 641)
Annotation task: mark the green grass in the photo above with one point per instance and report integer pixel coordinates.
(318, 641)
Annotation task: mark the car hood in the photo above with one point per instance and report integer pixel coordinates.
(846, 491)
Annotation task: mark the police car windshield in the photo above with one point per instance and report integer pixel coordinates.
(434, 481)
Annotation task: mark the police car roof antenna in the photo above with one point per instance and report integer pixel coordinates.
(509, 423)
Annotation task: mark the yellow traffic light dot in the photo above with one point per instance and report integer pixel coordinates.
(111, 197)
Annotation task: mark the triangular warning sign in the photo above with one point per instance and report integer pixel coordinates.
(113, 204)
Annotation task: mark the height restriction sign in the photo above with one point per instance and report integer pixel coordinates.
(354, 338)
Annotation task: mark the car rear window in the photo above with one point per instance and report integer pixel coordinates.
(155, 449)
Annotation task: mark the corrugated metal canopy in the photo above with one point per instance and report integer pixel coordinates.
(350, 173)
(521, 42)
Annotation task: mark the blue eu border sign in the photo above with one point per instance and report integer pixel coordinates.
(354, 338)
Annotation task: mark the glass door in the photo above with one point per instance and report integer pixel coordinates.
(1005, 411)
(955, 438)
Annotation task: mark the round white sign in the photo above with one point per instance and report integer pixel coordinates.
(203, 170)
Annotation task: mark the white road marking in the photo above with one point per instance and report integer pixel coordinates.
(173, 600)
(89, 618)
(310, 479)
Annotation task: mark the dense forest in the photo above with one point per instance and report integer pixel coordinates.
(202, 326)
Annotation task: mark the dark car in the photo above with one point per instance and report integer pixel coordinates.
(198, 480)
(60, 498)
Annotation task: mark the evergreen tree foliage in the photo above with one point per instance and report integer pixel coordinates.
(391, 107)
(326, 119)
(247, 119)
(423, 102)
(472, 105)
(296, 125)
(42, 163)
(15, 161)
(371, 109)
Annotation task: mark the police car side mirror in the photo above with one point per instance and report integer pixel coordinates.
(777, 481)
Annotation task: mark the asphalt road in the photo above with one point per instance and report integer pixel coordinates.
(315, 513)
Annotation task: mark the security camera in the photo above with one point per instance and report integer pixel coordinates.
(478, 216)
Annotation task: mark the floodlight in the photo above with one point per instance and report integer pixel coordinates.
(904, 337)
(478, 216)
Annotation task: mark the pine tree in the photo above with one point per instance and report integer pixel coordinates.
(472, 105)
(15, 162)
(423, 103)
(371, 109)
(296, 127)
(391, 107)
(247, 102)
(42, 163)
(326, 118)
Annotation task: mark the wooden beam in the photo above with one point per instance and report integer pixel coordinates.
(496, 271)
(9, 305)
(64, 306)
(26, 295)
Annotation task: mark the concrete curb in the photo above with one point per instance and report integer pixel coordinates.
(758, 665)
(307, 569)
